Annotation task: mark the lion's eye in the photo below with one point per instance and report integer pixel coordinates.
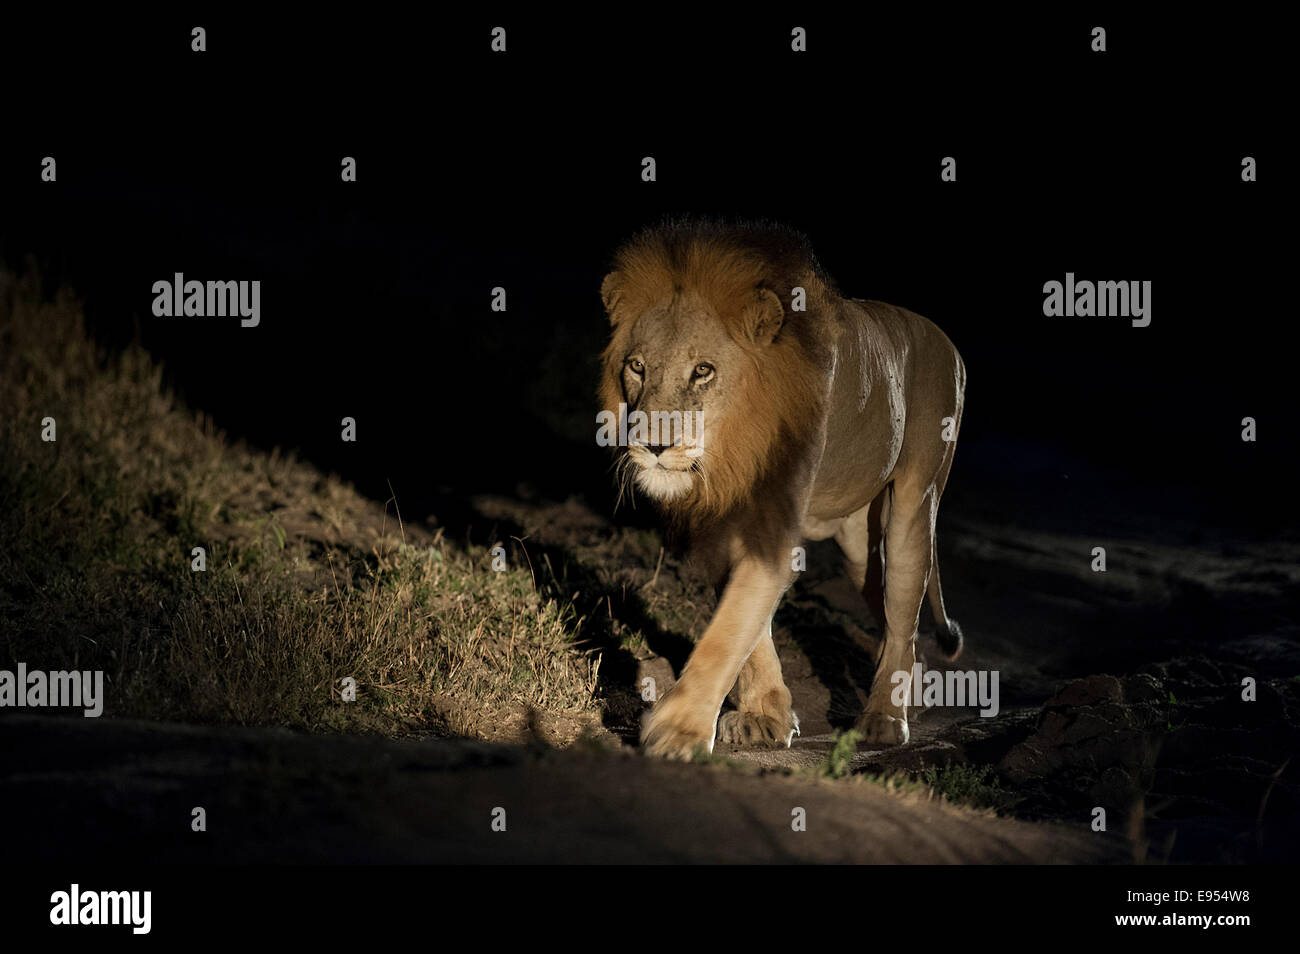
(636, 365)
(703, 372)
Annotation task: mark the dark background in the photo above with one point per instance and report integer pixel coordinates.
(523, 170)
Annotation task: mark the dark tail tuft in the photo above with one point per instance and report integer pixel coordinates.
(950, 640)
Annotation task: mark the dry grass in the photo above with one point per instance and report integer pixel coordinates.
(306, 582)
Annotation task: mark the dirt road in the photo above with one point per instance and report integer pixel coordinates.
(104, 790)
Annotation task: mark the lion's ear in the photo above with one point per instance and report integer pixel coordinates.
(611, 290)
(765, 316)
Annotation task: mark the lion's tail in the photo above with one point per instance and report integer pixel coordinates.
(948, 632)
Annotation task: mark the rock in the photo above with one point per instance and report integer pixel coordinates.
(658, 669)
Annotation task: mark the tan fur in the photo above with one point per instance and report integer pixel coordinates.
(817, 423)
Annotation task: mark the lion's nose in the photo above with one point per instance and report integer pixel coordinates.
(658, 449)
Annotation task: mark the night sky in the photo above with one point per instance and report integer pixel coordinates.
(523, 170)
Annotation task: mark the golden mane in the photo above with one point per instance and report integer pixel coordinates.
(737, 269)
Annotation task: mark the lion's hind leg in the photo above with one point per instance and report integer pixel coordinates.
(909, 550)
(862, 537)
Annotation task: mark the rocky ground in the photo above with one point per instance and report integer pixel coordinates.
(127, 790)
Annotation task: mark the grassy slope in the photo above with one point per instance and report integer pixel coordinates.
(306, 582)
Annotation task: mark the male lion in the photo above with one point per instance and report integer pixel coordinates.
(822, 416)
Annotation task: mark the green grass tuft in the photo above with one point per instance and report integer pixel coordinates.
(971, 785)
(835, 764)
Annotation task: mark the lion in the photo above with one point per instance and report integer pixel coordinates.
(821, 416)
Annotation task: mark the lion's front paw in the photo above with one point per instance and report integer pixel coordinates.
(674, 732)
(882, 728)
(756, 729)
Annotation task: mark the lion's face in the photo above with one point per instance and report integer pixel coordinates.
(679, 372)
(696, 362)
